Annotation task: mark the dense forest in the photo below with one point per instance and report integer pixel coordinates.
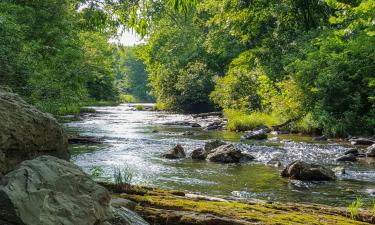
(304, 63)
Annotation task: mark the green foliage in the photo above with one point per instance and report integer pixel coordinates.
(48, 58)
(353, 207)
(243, 121)
(132, 78)
(127, 98)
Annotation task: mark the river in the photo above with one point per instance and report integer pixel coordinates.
(136, 140)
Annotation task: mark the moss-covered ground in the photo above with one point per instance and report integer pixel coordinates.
(173, 207)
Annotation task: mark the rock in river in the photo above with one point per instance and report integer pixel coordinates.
(361, 141)
(228, 154)
(199, 154)
(371, 151)
(208, 146)
(177, 152)
(255, 135)
(347, 158)
(26, 133)
(51, 191)
(300, 170)
(352, 151)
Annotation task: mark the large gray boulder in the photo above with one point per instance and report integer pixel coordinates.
(300, 170)
(228, 154)
(26, 133)
(50, 191)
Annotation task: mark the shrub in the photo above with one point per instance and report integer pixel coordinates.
(139, 107)
(127, 98)
(353, 207)
(242, 121)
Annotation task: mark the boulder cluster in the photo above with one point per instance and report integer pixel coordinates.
(213, 151)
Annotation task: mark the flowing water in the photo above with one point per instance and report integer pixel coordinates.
(136, 140)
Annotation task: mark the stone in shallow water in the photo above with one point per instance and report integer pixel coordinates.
(300, 170)
(361, 141)
(208, 146)
(177, 152)
(347, 158)
(352, 151)
(228, 154)
(199, 154)
(371, 151)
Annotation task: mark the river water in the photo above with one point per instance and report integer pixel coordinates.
(136, 140)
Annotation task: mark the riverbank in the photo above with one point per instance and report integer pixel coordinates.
(159, 206)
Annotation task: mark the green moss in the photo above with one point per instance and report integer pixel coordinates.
(262, 212)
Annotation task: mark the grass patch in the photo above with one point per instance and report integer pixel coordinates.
(242, 121)
(353, 207)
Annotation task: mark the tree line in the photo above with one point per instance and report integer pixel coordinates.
(304, 63)
(58, 56)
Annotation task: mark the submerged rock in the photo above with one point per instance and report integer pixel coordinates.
(371, 151)
(228, 154)
(275, 162)
(352, 151)
(26, 133)
(188, 133)
(339, 170)
(347, 158)
(216, 125)
(300, 170)
(361, 141)
(255, 135)
(208, 146)
(177, 152)
(85, 140)
(199, 154)
(195, 125)
(51, 191)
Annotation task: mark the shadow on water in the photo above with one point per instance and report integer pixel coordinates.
(138, 139)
